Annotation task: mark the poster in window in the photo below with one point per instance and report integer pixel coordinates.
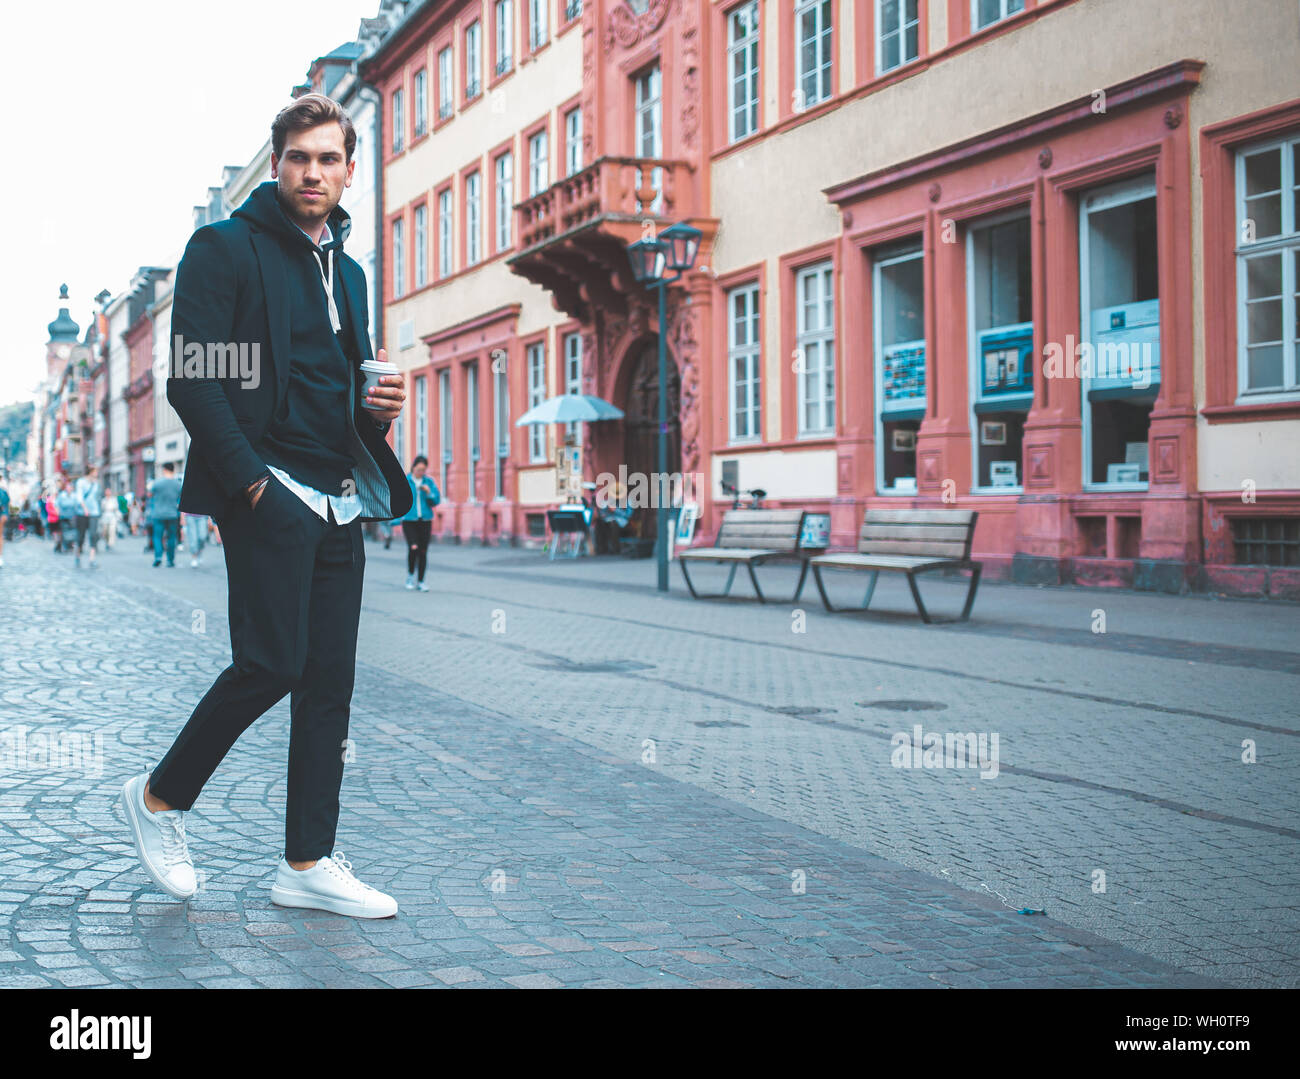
(993, 433)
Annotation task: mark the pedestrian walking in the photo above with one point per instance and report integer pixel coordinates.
(195, 530)
(164, 506)
(4, 521)
(89, 493)
(109, 515)
(65, 504)
(418, 522)
(289, 466)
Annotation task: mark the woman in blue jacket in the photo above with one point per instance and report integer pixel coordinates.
(418, 522)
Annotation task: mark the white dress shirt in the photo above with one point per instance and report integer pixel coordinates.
(348, 506)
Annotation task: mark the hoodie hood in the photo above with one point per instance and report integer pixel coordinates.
(262, 208)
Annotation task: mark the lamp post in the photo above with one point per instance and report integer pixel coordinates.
(674, 249)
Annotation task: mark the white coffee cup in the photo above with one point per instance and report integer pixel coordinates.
(373, 369)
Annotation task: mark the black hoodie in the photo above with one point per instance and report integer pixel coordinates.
(308, 436)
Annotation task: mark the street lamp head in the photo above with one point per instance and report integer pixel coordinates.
(683, 242)
(648, 258)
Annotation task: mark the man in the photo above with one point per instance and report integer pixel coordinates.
(88, 494)
(108, 516)
(4, 521)
(165, 514)
(289, 461)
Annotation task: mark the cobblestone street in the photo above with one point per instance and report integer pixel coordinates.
(567, 779)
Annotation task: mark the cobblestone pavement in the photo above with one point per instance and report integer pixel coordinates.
(567, 779)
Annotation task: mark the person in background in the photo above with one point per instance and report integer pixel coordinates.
(108, 517)
(196, 535)
(418, 522)
(134, 515)
(65, 503)
(4, 521)
(88, 493)
(164, 506)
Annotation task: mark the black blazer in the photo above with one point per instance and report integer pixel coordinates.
(230, 293)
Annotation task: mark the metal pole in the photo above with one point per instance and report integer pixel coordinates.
(661, 515)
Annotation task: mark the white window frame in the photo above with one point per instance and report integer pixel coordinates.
(503, 13)
(539, 28)
(505, 198)
(539, 172)
(399, 257)
(1284, 244)
(473, 60)
(572, 352)
(1107, 197)
(573, 140)
(822, 336)
(751, 355)
(420, 91)
(446, 234)
(1006, 8)
(878, 357)
(822, 73)
(975, 360)
(535, 370)
(649, 128)
(421, 416)
(501, 414)
(473, 220)
(399, 119)
(446, 425)
(744, 49)
(900, 32)
(472, 426)
(421, 230)
(446, 84)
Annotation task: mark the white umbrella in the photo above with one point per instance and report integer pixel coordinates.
(570, 408)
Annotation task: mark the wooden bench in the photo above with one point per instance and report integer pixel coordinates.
(749, 538)
(910, 542)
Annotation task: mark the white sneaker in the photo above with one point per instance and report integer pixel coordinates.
(159, 841)
(410, 582)
(422, 586)
(330, 885)
(193, 562)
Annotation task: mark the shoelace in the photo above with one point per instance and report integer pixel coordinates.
(341, 869)
(175, 849)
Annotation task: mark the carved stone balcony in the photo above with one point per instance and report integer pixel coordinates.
(574, 235)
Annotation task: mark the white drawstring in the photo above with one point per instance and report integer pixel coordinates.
(328, 282)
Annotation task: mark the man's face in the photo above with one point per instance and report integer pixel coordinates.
(418, 470)
(312, 172)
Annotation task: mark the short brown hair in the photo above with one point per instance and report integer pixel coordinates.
(312, 110)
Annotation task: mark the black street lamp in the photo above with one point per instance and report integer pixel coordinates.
(675, 249)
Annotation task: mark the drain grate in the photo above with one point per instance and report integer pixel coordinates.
(613, 666)
(904, 705)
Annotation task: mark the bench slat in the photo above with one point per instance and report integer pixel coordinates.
(919, 516)
(932, 548)
(914, 532)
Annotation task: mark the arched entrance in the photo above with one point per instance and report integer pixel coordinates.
(641, 426)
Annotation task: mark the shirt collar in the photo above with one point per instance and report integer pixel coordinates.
(326, 236)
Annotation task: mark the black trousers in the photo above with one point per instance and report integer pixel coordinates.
(417, 545)
(295, 602)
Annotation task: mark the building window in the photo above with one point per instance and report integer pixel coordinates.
(1119, 300)
(573, 141)
(399, 259)
(473, 60)
(999, 288)
(742, 70)
(1266, 541)
(501, 399)
(897, 32)
(421, 247)
(399, 121)
(743, 356)
(987, 12)
(536, 395)
(573, 378)
(539, 30)
(649, 130)
(421, 416)
(446, 96)
(421, 92)
(505, 198)
(538, 173)
(445, 429)
(473, 227)
(815, 349)
(399, 436)
(572, 10)
(445, 233)
(812, 52)
(899, 311)
(471, 425)
(1268, 268)
(505, 35)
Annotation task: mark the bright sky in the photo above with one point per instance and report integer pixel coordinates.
(123, 114)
